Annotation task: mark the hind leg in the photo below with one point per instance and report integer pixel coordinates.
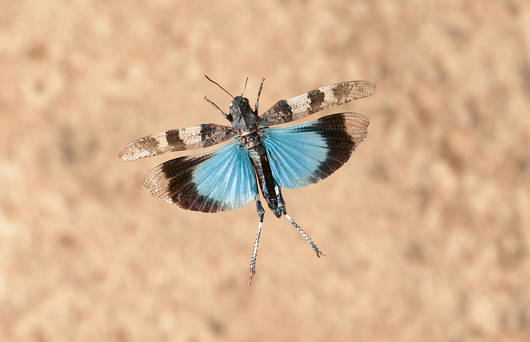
(318, 252)
(281, 205)
(261, 213)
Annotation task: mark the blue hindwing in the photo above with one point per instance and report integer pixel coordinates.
(306, 153)
(218, 180)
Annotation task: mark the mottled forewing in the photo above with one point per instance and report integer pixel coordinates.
(176, 140)
(220, 180)
(316, 100)
(303, 154)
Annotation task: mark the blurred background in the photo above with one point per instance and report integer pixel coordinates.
(426, 229)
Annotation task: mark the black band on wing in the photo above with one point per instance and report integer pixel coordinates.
(340, 144)
(309, 152)
(220, 180)
(182, 190)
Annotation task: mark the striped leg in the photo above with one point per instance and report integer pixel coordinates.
(281, 205)
(306, 237)
(261, 213)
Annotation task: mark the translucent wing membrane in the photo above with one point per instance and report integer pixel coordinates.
(176, 140)
(303, 154)
(220, 180)
(316, 100)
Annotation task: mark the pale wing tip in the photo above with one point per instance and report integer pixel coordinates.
(357, 117)
(368, 87)
(131, 152)
(359, 121)
(122, 155)
(125, 154)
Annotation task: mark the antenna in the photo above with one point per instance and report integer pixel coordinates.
(245, 87)
(217, 84)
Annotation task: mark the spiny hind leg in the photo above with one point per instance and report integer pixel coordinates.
(281, 205)
(261, 213)
(318, 252)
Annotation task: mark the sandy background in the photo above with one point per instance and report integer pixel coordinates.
(426, 229)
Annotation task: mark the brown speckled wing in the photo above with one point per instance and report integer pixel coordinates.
(316, 100)
(176, 140)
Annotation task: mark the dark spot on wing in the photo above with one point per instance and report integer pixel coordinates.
(149, 143)
(210, 135)
(206, 132)
(283, 107)
(341, 92)
(173, 138)
(316, 99)
(282, 112)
